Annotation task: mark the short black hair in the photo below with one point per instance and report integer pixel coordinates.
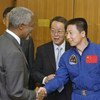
(80, 23)
(58, 19)
(6, 11)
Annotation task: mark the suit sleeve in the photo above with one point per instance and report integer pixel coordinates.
(60, 79)
(15, 78)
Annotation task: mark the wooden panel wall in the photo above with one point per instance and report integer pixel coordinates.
(89, 9)
(46, 9)
(4, 4)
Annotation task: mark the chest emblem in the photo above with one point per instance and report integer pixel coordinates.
(73, 60)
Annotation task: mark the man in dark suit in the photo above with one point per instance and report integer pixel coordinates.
(46, 59)
(28, 49)
(13, 64)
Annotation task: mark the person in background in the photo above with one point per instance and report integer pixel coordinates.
(27, 47)
(5, 16)
(46, 59)
(14, 72)
(81, 63)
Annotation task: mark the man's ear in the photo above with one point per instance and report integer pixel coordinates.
(20, 26)
(4, 21)
(83, 33)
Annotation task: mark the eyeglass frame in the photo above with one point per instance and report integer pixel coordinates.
(53, 31)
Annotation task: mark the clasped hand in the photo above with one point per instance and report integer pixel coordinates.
(41, 93)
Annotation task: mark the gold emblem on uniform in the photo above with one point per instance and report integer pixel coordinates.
(72, 60)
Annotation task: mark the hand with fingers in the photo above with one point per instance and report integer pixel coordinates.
(41, 93)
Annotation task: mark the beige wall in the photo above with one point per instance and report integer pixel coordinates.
(90, 9)
(46, 9)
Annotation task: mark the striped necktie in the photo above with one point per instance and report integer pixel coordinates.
(57, 64)
(58, 57)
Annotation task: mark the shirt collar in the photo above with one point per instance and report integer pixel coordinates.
(60, 46)
(14, 35)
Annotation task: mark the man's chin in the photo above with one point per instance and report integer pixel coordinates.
(72, 44)
(24, 37)
(57, 43)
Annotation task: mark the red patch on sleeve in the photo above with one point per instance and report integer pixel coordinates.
(91, 59)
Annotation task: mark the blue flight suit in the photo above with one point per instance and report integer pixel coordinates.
(83, 70)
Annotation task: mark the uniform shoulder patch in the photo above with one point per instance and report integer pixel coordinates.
(73, 60)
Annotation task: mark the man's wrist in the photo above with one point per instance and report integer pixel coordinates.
(45, 80)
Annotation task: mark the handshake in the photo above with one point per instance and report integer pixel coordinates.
(40, 93)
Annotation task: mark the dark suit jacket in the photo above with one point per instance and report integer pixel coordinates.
(46, 65)
(28, 49)
(13, 71)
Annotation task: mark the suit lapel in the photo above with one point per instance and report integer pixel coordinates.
(51, 55)
(14, 41)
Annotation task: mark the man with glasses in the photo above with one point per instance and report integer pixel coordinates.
(47, 58)
(81, 64)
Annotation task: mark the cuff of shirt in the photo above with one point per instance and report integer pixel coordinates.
(43, 82)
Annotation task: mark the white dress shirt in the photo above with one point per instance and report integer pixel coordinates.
(62, 46)
(14, 35)
(56, 52)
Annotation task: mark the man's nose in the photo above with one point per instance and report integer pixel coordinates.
(67, 35)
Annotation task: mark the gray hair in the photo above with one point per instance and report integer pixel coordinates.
(19, 15)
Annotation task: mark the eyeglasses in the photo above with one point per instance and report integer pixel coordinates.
(53, 31)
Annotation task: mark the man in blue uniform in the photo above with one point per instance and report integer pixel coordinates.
(81, 64)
